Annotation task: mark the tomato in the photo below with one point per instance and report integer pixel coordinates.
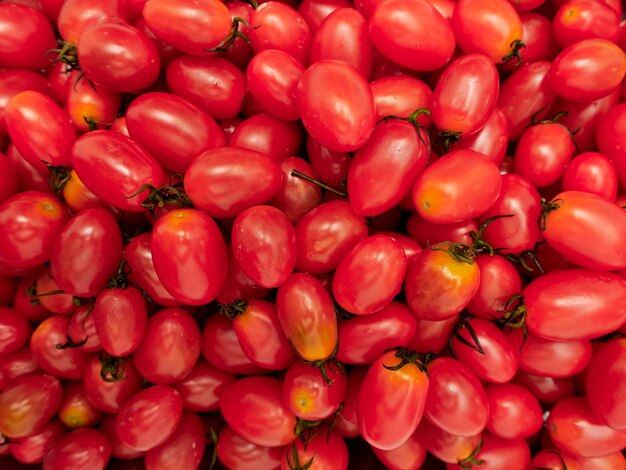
(83, 449)
(491, 140)
(238, 284)
(75, 410)
(66, 363)
(58, 302)
(23, 300)
(26, 37)
(14, 330)
(552, 459)
(395, 381)
(427, 233)
(432, 336)
(441, 197)
(189, 255)
(77, 15)
(575, 304)
(412, 33)
(546, 389)
(254, 408)
(578, 20)
(605, 383)
(172, 129)
(315, 11)
(16, 364)
(150, 417)
(119, 450)
(32, 449)
(280, 27)
(28, 404)
(401, 96)
(439, 285)
(491, 27)
(331, 167)
(539, 40)
(514, 413)
(484, 348)
(184, 448)
(591, 172)
(307, 315)
(129, 62)
(213, 84)
(500, 454)
(13, 82)
(610, 138)
(89, 108)
(456, 400)
(309, 394)
(397, 149)
(574, 428)
(587, 70)
(409, 455)
(447, 447)
(240, 52)
(325, 450)
(114, 168)
(296, 196)
(109, 383)
(223, 182)
(614, 461)
(78, 197)
(600, 220)
(234, 451)
(340, 119)
(202, 387)
(343, 35)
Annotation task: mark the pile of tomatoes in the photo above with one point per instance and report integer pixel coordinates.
(313, 235)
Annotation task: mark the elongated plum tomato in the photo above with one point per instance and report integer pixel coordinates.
(514, 412)
(234, 451)
(326, 449)
(30, 223)
(190, 26)
(307, 315)
(184, 448)
(466, 94)
(384, 170)
(114, 168)
(441, 196)
(391, 400)
(255, 409)
(575, 304)
(32, 449)
(82, 449)
(87, 253)
(339, 116)
(412, 33)
(189, 255)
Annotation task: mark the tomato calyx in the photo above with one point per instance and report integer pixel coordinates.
(325, 364)
(521, 259)
(233, 309)
(516, 46)
(468, 462)
(458, 251)
(70, 344)
(120, 278)
(170, 194)
(112, 368)
(59, 175)
(514, 317)
(447, 138)
(212, 438)
(412, 118)
(293, 460)
(478, 244)
(77, 301)
(409, 357)
(93, 124)
(474, 344)
(228, 41)
(343, 193)
(66, 53)
(546, 208)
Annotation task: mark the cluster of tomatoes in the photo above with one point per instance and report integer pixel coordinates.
(304, 234)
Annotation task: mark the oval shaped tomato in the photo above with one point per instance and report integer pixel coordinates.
(75, 410)
(119, 450)
(402, 95)
(296, 196)
(202, 387)
(225, 181)
(412, 33)
(577, 20)
(89, 108)
(82, 329)
(392, 383)
(189, 255)
(83, 449)
(433, 336)
(546, 389)
(441, 197)
(32, 449)
(514, 413)
(60, 303)
(233, 451)
(610, 138)
(14, 330)
(496, 452)
(448, 448)
(326, 449)
(491, 140)
(591, 172)
(338, 118)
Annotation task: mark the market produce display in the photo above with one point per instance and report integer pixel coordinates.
(312, 235)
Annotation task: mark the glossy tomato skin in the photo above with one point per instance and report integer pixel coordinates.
(75, 410)
(456, 400)
(382, 390)
(409, 455)
(575, 304)
(202, 387)
(89, 108)
(60, 303)
(119, 450)
(192, 280)
(577, 20)
(441, 197)
(239, 285)
(82, 328)
(77, 15)
(83, 449)
(362, 339)
(78, 197)
(296, 196)
(466, 94)
(130, 71)
(438, 287)
(432, 336)
(184, 448)
(340, 119)
(448, 448)
(330, 166)
(108, 394)
(428, 233)
(501, 453)
(28, 404)
(14, 330)
(514, 413)
(223, 182)
(235, 452)
(26, 37)
(14, 82)
(307, 315)
(326, 450)
(412, 33)
(609, 137)
(598, 219)
(491, 140)
(16, 364)
(32, 449)
(401, 95)
(587, 70)
(546, 389)
(255, 409)
(396, 149)
(120, 317)
(115, 167)
(87, 252)
(591, 172)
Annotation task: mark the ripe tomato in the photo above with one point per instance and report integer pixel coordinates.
(59, 302)
(432, 336)
(82, 329)
(395, 381)
(119, 450)
(412, 33)
(238, 284)
(500, 453)
(183, 449)
(326, 449)
(14, 330)
(32, 449)
(577, 20)
(447, 447)
(579, 217)
(75, 410)
(89, 108)
(202, 387)
(591, 172)
(514, 413)
(491, 140)
(331, 167)
(409, 455)
(77, 15)
(13, 82)
(234, 451)
(546, 389)
(296, 196)
(610, 138)
(83, 449)
(338, 118)
(402, 95)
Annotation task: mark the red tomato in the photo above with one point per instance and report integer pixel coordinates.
(579, 217)
(58, 302)
(183, 449)
(89, 108)
(14, 330)
(331, 167)
(13, 82)
(87, 253)
(239, 285)
(575, 304)
(16, 364)
(315, 11)
(441, 197)
(119, 450)
(83, 449)
(578, 20)
(539, 40)
(28, 404)
(296, 196)
(546, 389)
(432, 336)
(202, 387)
(75, 410)
(588, 70)
(82, 329)
(591, 172)
(31, 449)
(395, 381)
(402, 95)
(254, 408)
(234, 451)
(412, 33)
(447, 447)
(189, 255)
(409, 455)
(150, 417)
(514, 413)
(129, 62)
(500, 453)
(114, 168)
(491, 140)
(78, 197)
(339, 118)
(77, 15)
(325, 450)
(427, 233)
(611, 138)
(26, 37)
